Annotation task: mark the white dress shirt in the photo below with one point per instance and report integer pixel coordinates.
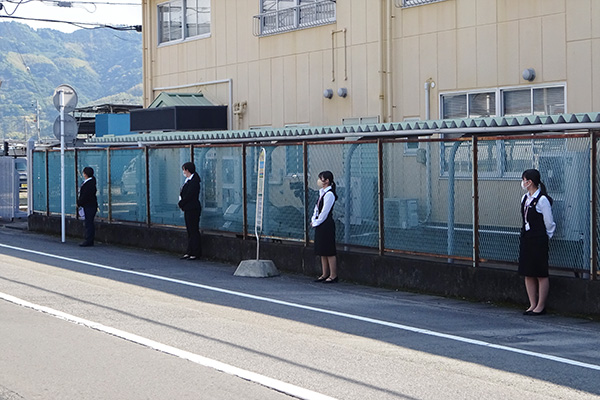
(543, 207)
(328, 199)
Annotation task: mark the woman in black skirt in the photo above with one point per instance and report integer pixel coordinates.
(322, 221)
(537, 228)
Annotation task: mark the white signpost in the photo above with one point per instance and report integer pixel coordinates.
(260, 192)
(258, 268)
(65, 101)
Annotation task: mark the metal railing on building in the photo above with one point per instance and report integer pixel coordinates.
(293, 18)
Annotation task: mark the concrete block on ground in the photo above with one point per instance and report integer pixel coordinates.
(256, 269)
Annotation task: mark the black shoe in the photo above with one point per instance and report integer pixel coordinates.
(184, 257)
(334, 280)
(543, 312)
(528, 312)
(320, 279)
(191, 258)
(86, 244)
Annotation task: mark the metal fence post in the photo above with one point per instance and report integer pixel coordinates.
(380, 196)
(146, 153)
(475, 194)
(47, 187)
(75, 159)
(593, 211)
(306, 205)
(244, 193)
(109, 184)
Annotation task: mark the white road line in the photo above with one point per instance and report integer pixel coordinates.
(324, 311)
(280, 386)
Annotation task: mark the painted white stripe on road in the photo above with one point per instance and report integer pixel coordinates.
(323, 311)
(274, 384)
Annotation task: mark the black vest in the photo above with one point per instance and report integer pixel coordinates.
(535, 219)
(320, 204)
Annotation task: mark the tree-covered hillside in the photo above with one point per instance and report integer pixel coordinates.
(98, 64)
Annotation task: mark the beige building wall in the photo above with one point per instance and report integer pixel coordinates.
(281, 77)
(460, 45)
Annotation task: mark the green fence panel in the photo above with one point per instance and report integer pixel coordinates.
(221, 193)
(39, 182)
(166, 178)
(96, 159)
(128, 185)
(54, 182)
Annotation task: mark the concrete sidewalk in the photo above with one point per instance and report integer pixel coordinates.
(494, 283)
(273, 326)
(16, 223)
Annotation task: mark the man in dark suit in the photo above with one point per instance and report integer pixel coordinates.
(89, 202)
(190, 205)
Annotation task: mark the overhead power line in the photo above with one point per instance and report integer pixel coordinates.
(74, 2)
(83, 25)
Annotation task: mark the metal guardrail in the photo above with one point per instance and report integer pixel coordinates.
(413, 3)
(293, 18)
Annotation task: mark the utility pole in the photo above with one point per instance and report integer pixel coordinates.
(37, 118)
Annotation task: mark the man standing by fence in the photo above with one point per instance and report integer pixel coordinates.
(190, 205)
(89, 203)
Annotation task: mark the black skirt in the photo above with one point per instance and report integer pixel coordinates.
(533, 255)
(325, 238)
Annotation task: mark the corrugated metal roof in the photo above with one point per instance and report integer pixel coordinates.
(492, 125)
(166, 99)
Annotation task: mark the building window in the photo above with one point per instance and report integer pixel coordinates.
(277, 16)
(469, 105)
(537, 101)
(360, 120)
(501, 158)
(504, 102)
(176, 24)
(412, 3)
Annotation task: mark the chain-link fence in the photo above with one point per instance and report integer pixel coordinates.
(414, 196)
(565, 169)
(97, 159)
(596, 208)
(54, 182)
(222, 194)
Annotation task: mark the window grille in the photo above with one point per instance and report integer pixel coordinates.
(279, 16)
(413, 3)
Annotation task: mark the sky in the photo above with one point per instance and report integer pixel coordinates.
(80, 11)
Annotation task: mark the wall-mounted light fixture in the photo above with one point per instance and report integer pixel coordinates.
(328, 93)
(529, 74)
(342, 92)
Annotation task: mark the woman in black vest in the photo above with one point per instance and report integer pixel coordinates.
(322, 221)
(537, 228)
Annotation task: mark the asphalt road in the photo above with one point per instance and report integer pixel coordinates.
(117, 323)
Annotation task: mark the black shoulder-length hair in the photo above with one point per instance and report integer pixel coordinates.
(534, 176)
(328, 176)
(189, 166)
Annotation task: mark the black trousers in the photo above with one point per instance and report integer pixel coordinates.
(192, 225)
(90, 229)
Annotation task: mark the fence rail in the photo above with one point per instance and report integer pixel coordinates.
(449, 198)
